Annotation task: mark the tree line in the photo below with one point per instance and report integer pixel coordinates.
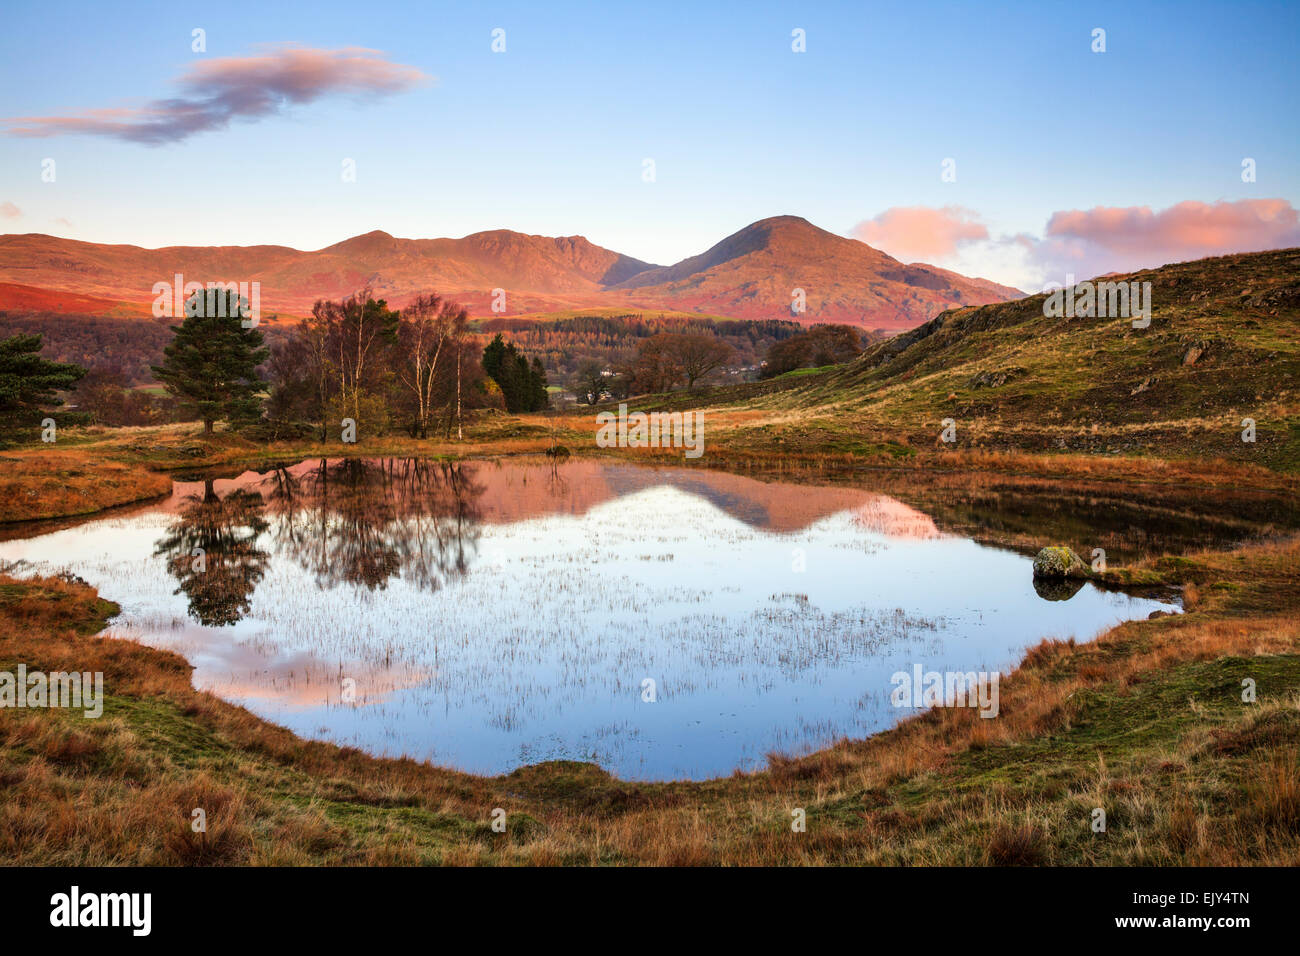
(563, 344)
(669, 360)
(418, 368)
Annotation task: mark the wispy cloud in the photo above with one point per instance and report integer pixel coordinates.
(9, 211)
(217, 91)
(1083, 242)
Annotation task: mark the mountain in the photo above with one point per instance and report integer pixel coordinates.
(26, 298)
(754, 272)
(750, 274)
(535, 271)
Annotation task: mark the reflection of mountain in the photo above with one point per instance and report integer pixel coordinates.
(889, 516)
(504, 492)
(514, 492)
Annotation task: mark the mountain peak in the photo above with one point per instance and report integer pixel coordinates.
(760, 270)
(373, 241)
(787, 220)
(790, 239)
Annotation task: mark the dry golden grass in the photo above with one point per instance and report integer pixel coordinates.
(72, 481)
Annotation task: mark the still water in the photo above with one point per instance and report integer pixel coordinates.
(486, 615)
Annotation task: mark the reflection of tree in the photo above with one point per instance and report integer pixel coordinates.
(556, 484)
(362, 522)
(212, 552)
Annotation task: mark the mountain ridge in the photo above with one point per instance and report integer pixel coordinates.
(752, 273)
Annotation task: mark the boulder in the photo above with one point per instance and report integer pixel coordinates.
(1059, 562)
(995, 379)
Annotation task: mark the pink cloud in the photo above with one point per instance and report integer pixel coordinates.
(1082, 243)
(9, 210)
(237, 87)
(914, 233)
(1135, 237)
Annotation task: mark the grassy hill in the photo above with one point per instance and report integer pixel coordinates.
(1223, 345)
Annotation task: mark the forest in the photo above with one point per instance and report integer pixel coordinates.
(419, 368)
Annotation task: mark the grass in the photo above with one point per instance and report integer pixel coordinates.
(67, 481)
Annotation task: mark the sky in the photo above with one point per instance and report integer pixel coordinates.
(992, 138)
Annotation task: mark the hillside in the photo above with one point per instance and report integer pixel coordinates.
(748, 275)
(30, 299)
(1223, 345)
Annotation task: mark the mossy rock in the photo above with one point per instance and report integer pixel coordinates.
(1059, 562)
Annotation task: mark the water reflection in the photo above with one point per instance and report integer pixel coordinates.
(1057, 589)
(347, 521)
(212, 551)
(491, 614)
(363, 522)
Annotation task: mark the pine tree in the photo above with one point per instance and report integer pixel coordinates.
(211, 362)
(537, 380)
(27, 381)
(522, 385)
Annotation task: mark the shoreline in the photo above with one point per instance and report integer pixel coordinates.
(137, 474)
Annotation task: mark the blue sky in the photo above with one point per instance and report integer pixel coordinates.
(550, 136)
